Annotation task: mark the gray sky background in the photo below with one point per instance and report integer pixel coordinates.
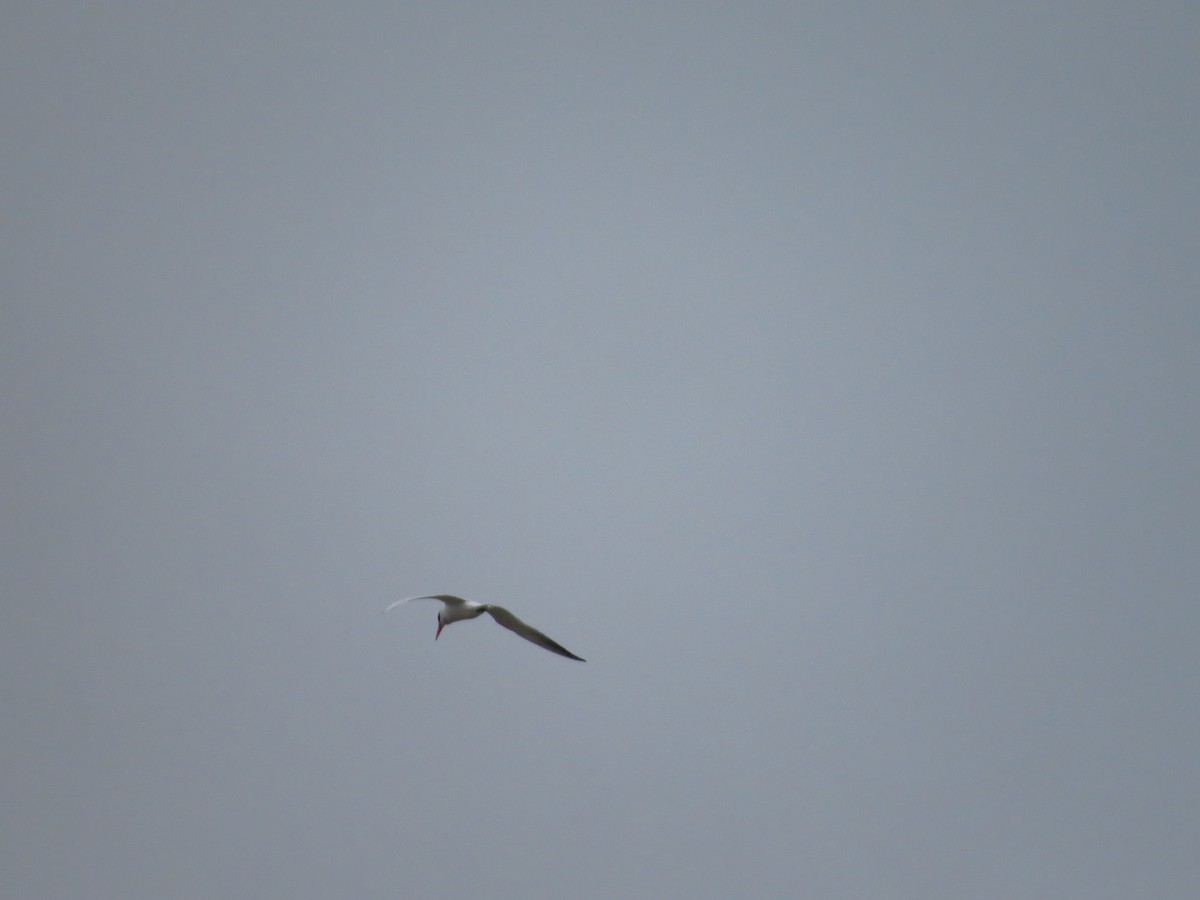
(826, 374)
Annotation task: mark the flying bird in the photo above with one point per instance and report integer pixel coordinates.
(455, 609)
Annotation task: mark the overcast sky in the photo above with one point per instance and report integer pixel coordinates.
(826, 374)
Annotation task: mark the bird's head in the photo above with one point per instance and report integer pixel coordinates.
(441, 625)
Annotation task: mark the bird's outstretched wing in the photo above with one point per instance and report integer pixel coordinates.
(512, 623)
(448, 599)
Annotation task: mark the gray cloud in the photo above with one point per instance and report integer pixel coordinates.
(824, 376)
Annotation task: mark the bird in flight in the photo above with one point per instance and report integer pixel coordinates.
(455, 609)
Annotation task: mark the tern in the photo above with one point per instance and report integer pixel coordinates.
(455, 609)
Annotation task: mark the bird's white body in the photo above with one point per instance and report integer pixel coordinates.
(455, 609)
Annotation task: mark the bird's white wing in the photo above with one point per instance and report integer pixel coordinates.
(512, 623)
(448, 599)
